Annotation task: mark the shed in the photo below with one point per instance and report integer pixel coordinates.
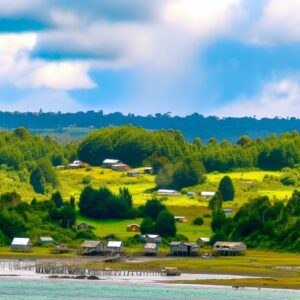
(163, 192)
(45, 240)
(183, 249)
(120, 167)
(91, 247)
(77, 164)
(115, 246)
(203, 240)
(148, 170)
(230, 248)
(21, 245)
(60, 249)
(152, 238)
(151, 249)
(181, 219)
(108, 163)
(133, 173)
(207, 194)
(133, 228)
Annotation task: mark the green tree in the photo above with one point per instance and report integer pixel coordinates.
(226, 188)
(152, 208)
(216, 202)
(165, 224)
(57, 199)
(147, 226)
(37, 180)
(125, 194)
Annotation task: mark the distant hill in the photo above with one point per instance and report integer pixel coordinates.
(191, 126)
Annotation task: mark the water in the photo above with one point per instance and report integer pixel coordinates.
(15, 288)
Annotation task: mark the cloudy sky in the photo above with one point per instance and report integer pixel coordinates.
(216, 57)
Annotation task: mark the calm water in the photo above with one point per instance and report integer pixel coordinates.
(46, 289)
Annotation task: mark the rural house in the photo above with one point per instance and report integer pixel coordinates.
(77, 164)
(168, 193)
(228, 211)
(60, 249)
(108, 163)
(91, 247)
(133, 228)
(181, 219)
(207, 194)
(230, 248)
(21, 245)
(45, 240)
(148, 170)
(133, 173)
(115, 246)
(203, 240)
(183, 249)
(150, 249)
(152, 238)
(120, 167)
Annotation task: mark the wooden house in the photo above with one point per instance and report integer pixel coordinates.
(45, 240)
(21, 245)
(108, 163)
(134, 173)
(181, 219)
(60, 249)
(115, 246)
(120, 167)
(152, 238)
(207, 195)
(150, 249)
(163, 192)
(91, 247)
(148, 170)
(230, 248)
(183, 249)
(133, 228)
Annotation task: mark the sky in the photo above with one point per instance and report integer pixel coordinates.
(218, 57)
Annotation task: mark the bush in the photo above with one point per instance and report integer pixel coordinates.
(198, 221)
(289, 179)
(86, 180)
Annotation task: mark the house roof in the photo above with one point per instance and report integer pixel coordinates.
(152, 236)
(21, 242)
(90, 244)
(46, 239)
(133, 225)
(231, 245)
(183, 243)
(119, 165)
(110, 161)
(167, 191)
(208, 193)
(204, 239)
(151, 246)
(114, 244)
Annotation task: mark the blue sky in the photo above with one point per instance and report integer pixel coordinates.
(217, 57)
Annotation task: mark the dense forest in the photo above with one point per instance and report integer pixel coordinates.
(191, 126)
(135, 146)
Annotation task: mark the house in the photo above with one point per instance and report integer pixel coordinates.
(181, 219)
(21, 245)
(115, 246)
(191, 194)
(150, 249)
(227, 211)
(207, 194)
(133, 173)
(230, 248)
(120, 167)
(77, 164)
(183, 249)
(60, 249)
(203, 240)
(108, 163)
(91, 247)
(148, 170)
(45, 240)
(152, 238)
(168, 193)
(83, 226)
(133, 228)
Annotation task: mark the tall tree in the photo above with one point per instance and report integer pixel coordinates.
(226, 188)
(165, 224)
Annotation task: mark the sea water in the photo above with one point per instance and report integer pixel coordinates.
(14, 289)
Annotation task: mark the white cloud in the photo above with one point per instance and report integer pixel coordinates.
(276, 98)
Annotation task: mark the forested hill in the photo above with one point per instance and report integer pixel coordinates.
(191, 126)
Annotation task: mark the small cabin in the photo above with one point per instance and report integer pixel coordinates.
(115, 246)
(148, 171)
(45, 240)
(150, 249)
(152, 238)
(181, 219)
(230, 248)
(168, 193)
(227, 211)
(183, 249)
(203, 240)
(120, 167)
(134, 173)
(133, 228)
(60, 249)
(77, 164)
(191, 194)
(207, 195)
(83, 226)
(21, 245)
(108, 163)
(91, 247)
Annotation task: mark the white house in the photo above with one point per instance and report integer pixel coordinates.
(21, 245)
(115, 246)
(163, 192)
(108, 163)
(46, 240)
(207, 194)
